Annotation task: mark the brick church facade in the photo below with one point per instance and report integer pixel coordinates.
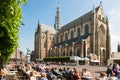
(88, 34)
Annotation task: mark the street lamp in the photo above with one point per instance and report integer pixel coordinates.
(55, 51)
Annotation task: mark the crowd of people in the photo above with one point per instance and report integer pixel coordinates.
(33, 71)
(113, 71)
(46, 72)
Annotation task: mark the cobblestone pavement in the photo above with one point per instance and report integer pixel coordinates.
(94, 70)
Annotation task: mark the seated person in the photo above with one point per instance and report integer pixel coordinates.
(32, 76)
(86, 74)
(43, 76)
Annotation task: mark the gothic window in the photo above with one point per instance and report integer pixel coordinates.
(61, 38)
(66, 36)
(78, 32)
(64, 53)
(86, 29)
(78, 52)
(58, 53)
(71, 34)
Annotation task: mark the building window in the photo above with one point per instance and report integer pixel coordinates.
(78, 52)
(71, 34)
(58, 53)
(66, 36)
(64, 53)
(86, 29)
(61, 38)
(78, 32)
(70, 52)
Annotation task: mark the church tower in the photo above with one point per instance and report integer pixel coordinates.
(57, 24)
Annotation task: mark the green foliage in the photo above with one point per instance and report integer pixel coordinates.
(10, 21)
(57, 59)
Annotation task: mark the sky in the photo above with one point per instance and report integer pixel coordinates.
(45, 10)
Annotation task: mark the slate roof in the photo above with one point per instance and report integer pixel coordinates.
(84, 17)
(70, 41)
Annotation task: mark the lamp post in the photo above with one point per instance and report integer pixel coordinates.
(55, 51)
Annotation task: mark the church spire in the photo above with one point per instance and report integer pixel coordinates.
(106, 18)
(39, 25)
(100, 3)
(93, 9)
(57, 24)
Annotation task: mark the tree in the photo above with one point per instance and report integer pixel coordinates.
(10, 21)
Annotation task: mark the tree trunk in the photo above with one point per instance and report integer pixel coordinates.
(1, 63)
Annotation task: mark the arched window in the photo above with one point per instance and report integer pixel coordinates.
(58, 53)
(78, 32)
(61, 38)
(70, 52)
(64, 53)
(78, 52)
(71, 34)
(86, 29)
(66, 36)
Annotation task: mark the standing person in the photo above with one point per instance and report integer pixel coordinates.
(116, 69)
(43, 76)
(109, 70)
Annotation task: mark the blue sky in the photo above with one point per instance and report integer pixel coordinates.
(44, 11)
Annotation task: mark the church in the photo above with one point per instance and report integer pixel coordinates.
(87, 35)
